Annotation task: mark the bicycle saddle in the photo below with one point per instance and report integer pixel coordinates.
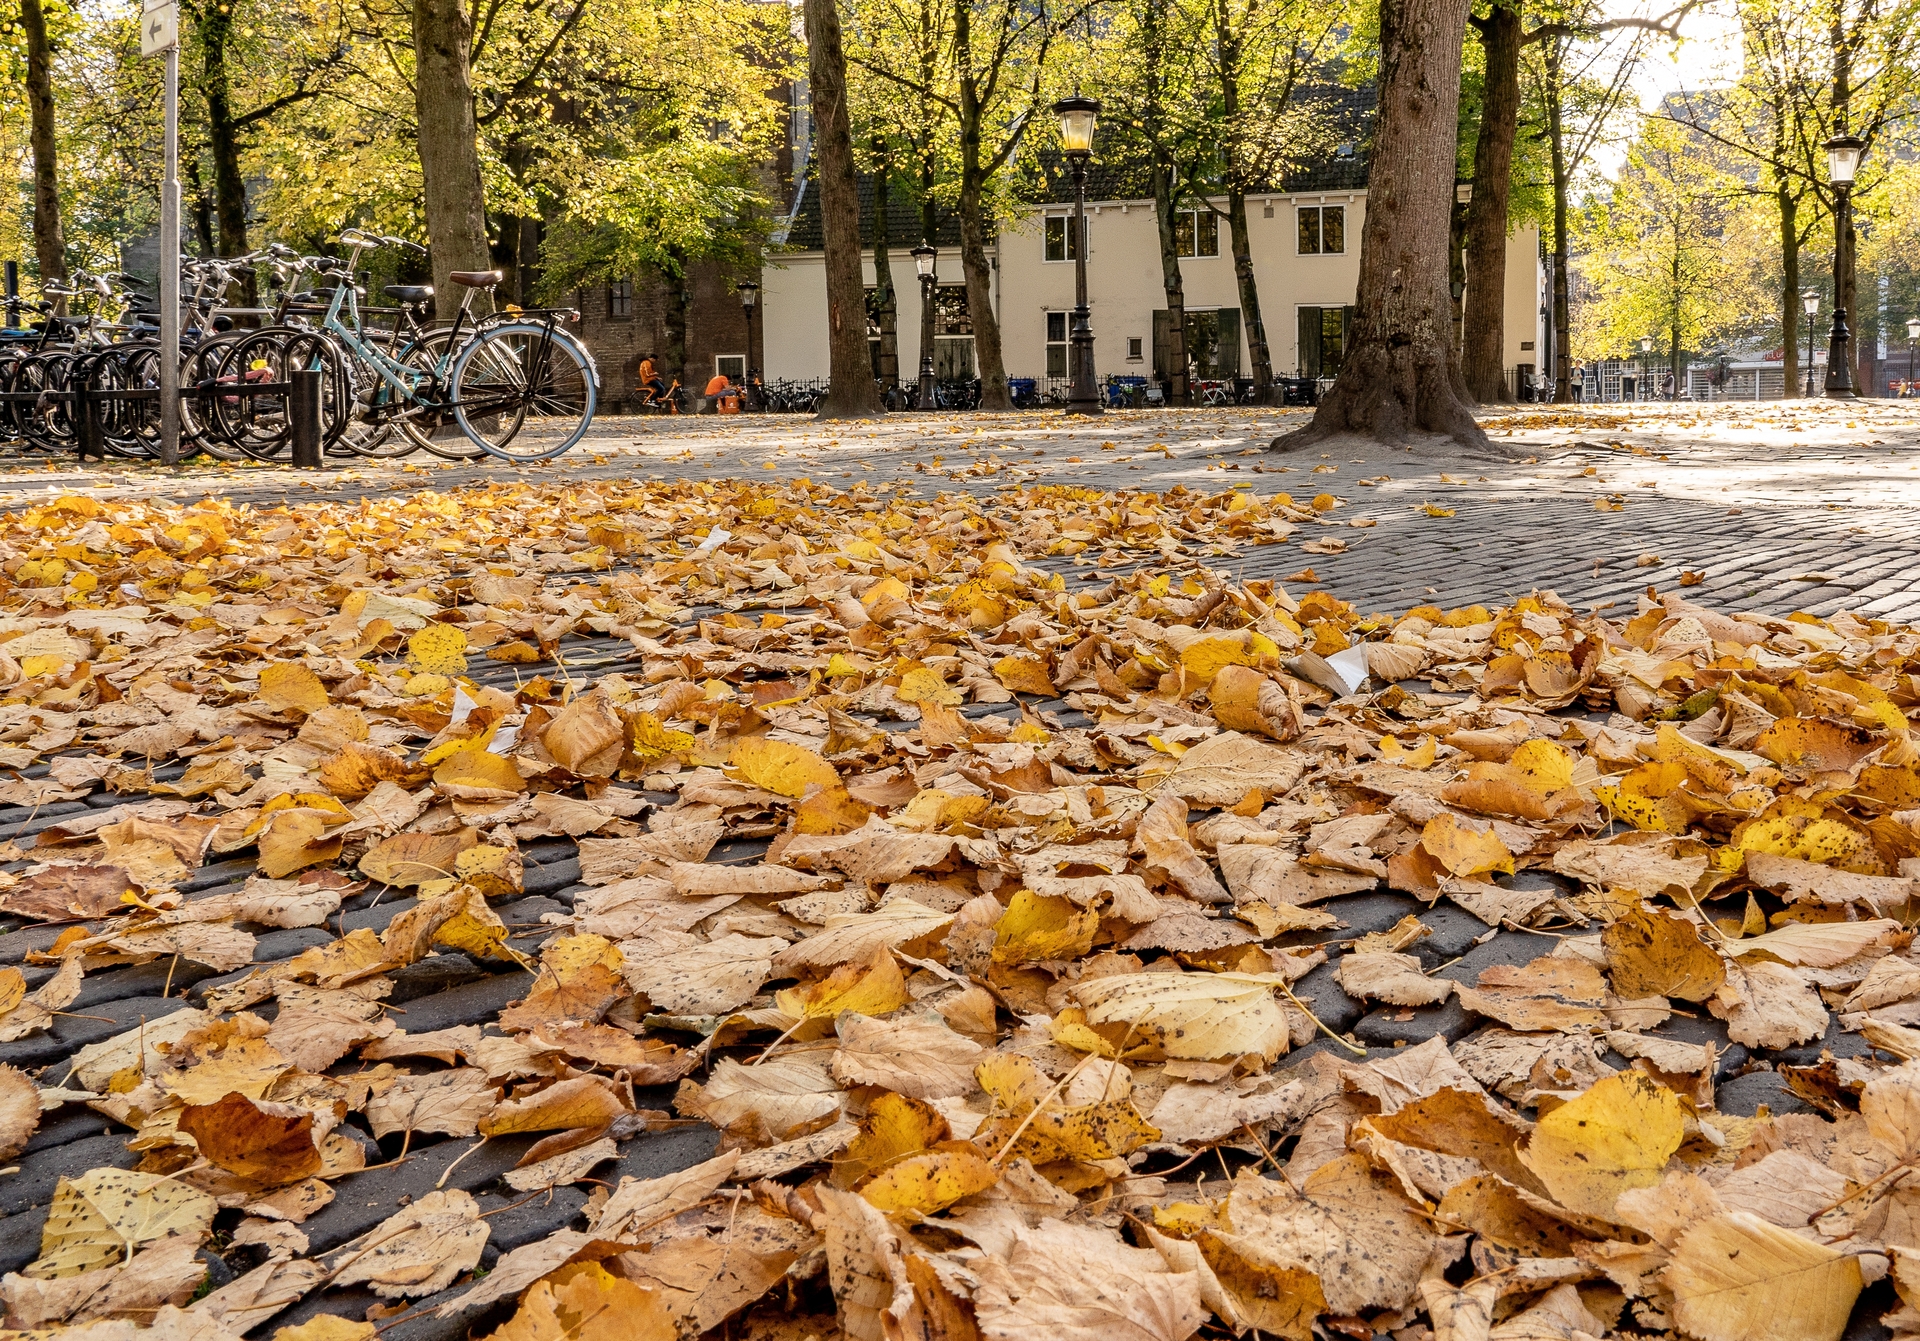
(476, 279)
(409, 293)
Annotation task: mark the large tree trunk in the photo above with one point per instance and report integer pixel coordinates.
(1154, 54)
(883, 298)
(854, 394)
(1561, 316)
(223, 138)
(1400, 377)
(449, 140)
(1789, 285)
(49, 239)
(1178, 392)
(1257, 352)
(1483, 347)
(988, 360)
(674, 318)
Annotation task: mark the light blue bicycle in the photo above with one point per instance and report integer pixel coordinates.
(511, 385)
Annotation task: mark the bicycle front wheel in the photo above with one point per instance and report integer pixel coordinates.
(524, 391)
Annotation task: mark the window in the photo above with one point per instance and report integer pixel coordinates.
(733, 367)
(1060, 238)
(1133, 349)
(1196, 233)
(952, 333)
(1323, 230)
(620, 300)
(1323, 340)
(1056, 344)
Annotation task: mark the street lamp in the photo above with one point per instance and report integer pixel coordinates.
(1077, 116)
(1646, 373)
(1810, 304)
(924, 257)
(750, 299)
(1843, 161)
(1913, 334)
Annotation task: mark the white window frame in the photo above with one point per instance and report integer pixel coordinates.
(1066, 237)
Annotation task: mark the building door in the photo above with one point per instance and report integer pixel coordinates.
(952, 334)
(1213, 343)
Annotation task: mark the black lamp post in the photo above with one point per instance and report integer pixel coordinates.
(924, 257)
(1646, 368)
(1077, 116)
(1810, 304)
(749, 300)
(1843, 161)
(1913, 334)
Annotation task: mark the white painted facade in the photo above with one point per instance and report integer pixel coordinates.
(1124, 288)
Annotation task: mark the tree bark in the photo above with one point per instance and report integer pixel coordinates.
(854, 394)
(1258, 353)
(883, 296)
(223, 137)
(1178, 392)
(674, 315)
(1789, 206)
(1845, 287)
(1483, 346)
(449, 141)
(1561, 316)
(989, 361)
(1400, 377)
(49, 238)
(1153, 53)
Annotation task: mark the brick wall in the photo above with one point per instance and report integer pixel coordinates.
(715, 326)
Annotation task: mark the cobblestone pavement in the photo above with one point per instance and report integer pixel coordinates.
(1775, 506)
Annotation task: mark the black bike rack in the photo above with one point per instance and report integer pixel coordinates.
(89, 433)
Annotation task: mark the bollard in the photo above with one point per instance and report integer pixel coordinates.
(303, 410)
(89, 433)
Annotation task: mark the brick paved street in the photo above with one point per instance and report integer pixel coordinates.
(1776, 506)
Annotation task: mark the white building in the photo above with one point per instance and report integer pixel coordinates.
(1305, 244)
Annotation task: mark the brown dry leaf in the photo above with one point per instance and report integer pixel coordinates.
(785, 1097)
(586, 1303)
(1655, 953)
(1393, 978)
(452, 1102)
(410, 859)
(1768, 1005)
(162, 1273)
(1549, 993)
(581, 1101)
(19, 1112)
(875, 987)
(418, 1251)
(587, 738)
(921, 1058)
(61, 892)
(1202, 1016)
(707, 978)
(896, 924)
(1077, 1283)
(265, 1143)
(1346, 1223)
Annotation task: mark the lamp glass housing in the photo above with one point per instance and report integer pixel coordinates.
(1913, 329)
(923, 259)
(1077, 115)
(749, 293)
(1843, 159)
(1810, 303)
(1646, 344)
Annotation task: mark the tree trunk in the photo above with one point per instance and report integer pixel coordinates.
(223, 139)
(195, 191)
(1845, 289)
(1561, 318)
(449, 141)
(1400, 378)
(988, 361)
(1789, 287)
(49, 239)
(883, 297)
(1483, 346)
(854, 394)
(674, 315)
(1178, 393)
(1257, 352)
(1153, 53)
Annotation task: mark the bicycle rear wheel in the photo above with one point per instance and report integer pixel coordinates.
(524, 391)
(433, 429)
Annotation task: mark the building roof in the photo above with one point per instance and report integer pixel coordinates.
(1111, 177)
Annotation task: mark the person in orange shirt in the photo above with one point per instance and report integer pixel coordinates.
(649, 379)
(721, 398)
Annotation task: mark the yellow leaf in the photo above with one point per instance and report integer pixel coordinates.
(924, 685)
(327, 1327)
(1615, 1137)
(1736, 1276)
(829, 811)
(479, 770)
(1435, 510)
(1462, 851)
(783, 769)
(579, 1101)
(1324, 503)
(409, 859)
(894, 1128)
(922, 1184)
(1546, 765)
(288, 686)
(1421, 756)
(1024, 675)
(99, 1218)
(649, 738)
(438, 649)
(585, 1302)
(1038, 926)
(871, 988)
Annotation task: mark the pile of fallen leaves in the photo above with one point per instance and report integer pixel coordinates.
(999, 1000)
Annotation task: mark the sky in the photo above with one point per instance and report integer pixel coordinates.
(1707, 55)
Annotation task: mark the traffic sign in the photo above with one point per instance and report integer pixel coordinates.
(159, 26)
